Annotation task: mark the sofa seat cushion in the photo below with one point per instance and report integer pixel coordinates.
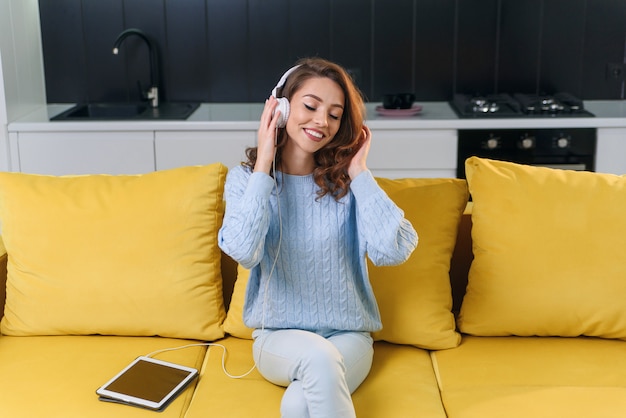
(533, 377)
(57, 376)
(401, 382)
(218, 395)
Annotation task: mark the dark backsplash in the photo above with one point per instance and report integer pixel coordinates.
(236, 50)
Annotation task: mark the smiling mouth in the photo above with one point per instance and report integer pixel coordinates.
(314, 134)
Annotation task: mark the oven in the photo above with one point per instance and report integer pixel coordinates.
(569, 149)
(564, 148)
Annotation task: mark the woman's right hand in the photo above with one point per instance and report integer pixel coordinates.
(266, 136)
(358, 164)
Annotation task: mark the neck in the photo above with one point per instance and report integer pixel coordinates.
(297, 164)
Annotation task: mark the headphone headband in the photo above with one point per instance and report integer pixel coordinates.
(283, 79)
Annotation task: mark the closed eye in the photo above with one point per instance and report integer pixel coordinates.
(313, 109)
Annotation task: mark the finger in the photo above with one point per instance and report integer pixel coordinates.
(275, 117)
(268, 111)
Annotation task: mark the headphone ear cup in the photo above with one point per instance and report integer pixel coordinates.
(283, 108)
(283, 102)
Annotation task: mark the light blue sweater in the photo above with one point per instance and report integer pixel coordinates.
(319, 281)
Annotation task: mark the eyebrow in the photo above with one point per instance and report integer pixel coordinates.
(320, 100)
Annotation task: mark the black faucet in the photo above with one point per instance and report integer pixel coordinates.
(153, 92)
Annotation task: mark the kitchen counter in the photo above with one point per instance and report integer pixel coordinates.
(245, 116)
(424, 145)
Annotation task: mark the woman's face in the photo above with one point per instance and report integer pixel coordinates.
(315, 114)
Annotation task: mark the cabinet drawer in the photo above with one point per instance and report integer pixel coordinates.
(66, 153)
(611, 151)
(176, 149)
(412, 150)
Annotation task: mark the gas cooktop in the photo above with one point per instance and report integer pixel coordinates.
(519, 105)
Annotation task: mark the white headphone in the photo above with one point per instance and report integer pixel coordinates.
(283, 103)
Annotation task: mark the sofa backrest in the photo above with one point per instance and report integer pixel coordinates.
(3, 282)
(229, 275)
(459, 268)
(461, 261)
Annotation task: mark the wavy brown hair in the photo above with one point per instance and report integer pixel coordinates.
(332, 161)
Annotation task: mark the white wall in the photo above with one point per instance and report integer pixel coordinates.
(3, 107)
(4, 134)
(22, 85)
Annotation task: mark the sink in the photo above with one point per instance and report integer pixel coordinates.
(127, 111)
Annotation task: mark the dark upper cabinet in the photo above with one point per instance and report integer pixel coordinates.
(476, 46)
(519, 43)
(393, 59)
(433, 46)
(236, 50)
(63, 47)
(186, 60)
(604, 42)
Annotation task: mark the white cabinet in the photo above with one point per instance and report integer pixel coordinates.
(611, 151)
(413, 153)
(62, 153)
(181, 148)
(394, 153)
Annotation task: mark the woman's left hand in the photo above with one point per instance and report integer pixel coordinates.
(359, 161)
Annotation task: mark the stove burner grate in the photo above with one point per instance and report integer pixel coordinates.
(559, 103)
(492, 105)
(518, 105)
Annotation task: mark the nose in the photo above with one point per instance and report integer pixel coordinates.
(320, 118)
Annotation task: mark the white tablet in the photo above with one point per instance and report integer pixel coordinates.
(148, 383)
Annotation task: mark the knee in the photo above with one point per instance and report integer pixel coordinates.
(324, 358)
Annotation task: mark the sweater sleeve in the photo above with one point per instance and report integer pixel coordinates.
(247, 215)
(388, 237)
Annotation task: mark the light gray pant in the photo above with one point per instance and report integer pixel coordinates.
(320, 371)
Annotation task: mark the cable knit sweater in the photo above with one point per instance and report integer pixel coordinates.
(310, 272)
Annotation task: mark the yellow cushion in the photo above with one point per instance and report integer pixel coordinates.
(401, 383)
(233, 324)
(548, 252)
(414, 298)
(521, 377)
(57, 377)
(117, 255)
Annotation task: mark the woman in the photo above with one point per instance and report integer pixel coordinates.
(302, 214)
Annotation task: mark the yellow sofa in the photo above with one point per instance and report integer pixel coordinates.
(516, 337)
